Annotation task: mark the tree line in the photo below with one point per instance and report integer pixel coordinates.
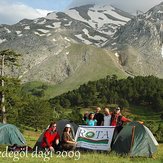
(137, 90)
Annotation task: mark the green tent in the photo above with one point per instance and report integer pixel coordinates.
(10, 135)
(135, 139)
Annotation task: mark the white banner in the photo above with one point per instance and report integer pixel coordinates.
(94, 137)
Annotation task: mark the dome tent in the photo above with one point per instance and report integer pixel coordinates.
(60, 127)
(135, 139)
(10, 135)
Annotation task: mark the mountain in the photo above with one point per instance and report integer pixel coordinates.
(94, 24)
(139, 43)
(61, 45)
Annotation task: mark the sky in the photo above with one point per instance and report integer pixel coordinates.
(12, 11)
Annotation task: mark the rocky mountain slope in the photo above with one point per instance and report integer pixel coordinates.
(94, 24)
(139, 44)
(46, 44)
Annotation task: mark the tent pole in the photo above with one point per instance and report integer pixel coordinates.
(132, 138)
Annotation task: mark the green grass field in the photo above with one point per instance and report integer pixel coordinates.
(84, 158)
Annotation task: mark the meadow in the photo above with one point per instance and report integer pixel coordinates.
(76, 157)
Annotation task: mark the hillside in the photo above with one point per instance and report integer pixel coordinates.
(86, 43)
(95, 64)
(139, 43)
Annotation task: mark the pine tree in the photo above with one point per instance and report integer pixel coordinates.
(36, 113)
(8, 58)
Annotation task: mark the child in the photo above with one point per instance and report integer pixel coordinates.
(91, 121)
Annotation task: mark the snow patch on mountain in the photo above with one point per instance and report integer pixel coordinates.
(18, 32)
(80, 37)
(49, 34)
(99, 14)
(8, 31)
(68, 24)
(43, 30)
(75, 15)
(20, 35)
(96, 37)
(117, 55)
(2, 40)
(99, 17)
(39, 34)
(27, 27)
(57, 24)
(42, 22)
(67, 39)
(49, 26)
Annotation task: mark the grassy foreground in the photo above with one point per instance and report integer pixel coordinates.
(92, 157)
(76, 157)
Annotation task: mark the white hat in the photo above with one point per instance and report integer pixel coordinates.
(68, 125)
(118, 108)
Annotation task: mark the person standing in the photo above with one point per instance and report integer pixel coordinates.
(85, 117)
(107, 117)
(117, 119)
(99, 116)
(91, 121)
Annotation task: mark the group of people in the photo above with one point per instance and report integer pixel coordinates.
(114, 118)
(51, 139)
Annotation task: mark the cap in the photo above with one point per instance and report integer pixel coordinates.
(68, 125)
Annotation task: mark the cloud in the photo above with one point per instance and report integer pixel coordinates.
(11, 13)
(126, 5)
(42, 12)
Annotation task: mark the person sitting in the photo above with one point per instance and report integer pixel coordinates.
(99, 116)
(51, 138)
(91, 121)
(68, 143)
